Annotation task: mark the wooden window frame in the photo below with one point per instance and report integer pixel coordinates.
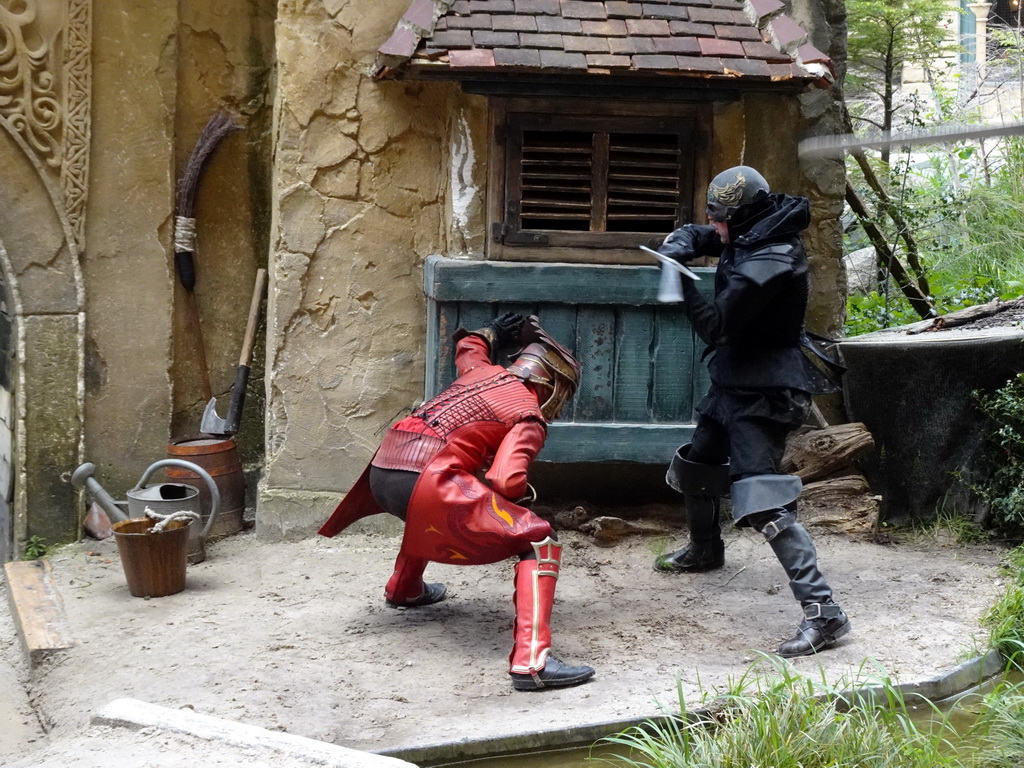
(510, 116)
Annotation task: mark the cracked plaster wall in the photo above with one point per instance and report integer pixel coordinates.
(361, 197)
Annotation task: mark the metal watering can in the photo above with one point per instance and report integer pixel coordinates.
(162, 498)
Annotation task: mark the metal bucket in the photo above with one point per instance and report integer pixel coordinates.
(168, 498)
(154, 563)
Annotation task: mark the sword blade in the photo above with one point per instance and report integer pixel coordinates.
(836, 146)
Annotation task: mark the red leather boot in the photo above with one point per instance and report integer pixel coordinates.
(531, 664)
(406, 587)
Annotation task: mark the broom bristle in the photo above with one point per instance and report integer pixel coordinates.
(219, 126)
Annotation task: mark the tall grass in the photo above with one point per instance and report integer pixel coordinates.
(771, 717)
(1005, 619)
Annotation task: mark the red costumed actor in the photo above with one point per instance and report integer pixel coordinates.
(491, 420)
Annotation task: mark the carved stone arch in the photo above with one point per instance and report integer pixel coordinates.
(44, 298)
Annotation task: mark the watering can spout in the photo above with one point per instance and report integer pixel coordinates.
(84, 477)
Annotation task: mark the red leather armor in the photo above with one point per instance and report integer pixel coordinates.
(488, 419)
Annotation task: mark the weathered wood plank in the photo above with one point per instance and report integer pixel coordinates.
(595, 330)
(37, 609)
(671, 386)
(633, 364)
(642, 443)
(451, 280)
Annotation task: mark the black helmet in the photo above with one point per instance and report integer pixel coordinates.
(733, 189)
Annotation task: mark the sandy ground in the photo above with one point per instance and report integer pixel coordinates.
(296, 636)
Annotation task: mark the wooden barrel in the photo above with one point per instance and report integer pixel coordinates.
(219, 457)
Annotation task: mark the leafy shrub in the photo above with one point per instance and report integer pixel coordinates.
(1004, 455)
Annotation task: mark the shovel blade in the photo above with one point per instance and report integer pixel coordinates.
(212, 424)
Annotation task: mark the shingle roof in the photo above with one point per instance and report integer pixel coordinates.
(728, 40)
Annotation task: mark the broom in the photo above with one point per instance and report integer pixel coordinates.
(218, 127)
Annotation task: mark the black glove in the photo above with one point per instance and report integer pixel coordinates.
(681, 245)
(506, 328)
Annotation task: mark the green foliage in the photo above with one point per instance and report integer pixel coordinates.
(1003, 461)
(883, 36)
(1005, 619)
(783, 720)
(35, 548)
(970, 234)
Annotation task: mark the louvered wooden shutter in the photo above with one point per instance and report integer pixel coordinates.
(601, 182)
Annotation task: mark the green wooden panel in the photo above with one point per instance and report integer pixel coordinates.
(672, 383)
(595, 343)
(641, 443)
(633, 337)
(641, 367)
(453, 280)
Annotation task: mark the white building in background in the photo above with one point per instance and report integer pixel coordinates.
(984, 69)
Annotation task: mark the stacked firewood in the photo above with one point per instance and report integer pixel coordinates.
(836, 495)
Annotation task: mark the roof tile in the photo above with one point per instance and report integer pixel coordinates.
(688, 45)
(666, 11)
(809, 54)
(491, 6)
(474, 57)
(558, 24)
(631, 45)
(608, 60)
(516, 57)
(750, 67)
(661, 61)
(403, 42)
(717, 16)
(623, 9)
(759, 50)
(537, 7)
(689, 28)
(695, 38)
(736, 32)
(583, 9)
(699, 64)
(420, 15)
(652, 27)
(452, 38)
(488, 39)
(562, 60)
(583, 44)
(787, 33)
(609, 28)
(764, 9)
(479, 21)
(515, 23)
(712, 46)
(534, 40)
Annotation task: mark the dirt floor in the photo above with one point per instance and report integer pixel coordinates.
(296, 636)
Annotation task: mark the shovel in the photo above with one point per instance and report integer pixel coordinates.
(212, 424)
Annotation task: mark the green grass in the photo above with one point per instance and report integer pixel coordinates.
(771, 717)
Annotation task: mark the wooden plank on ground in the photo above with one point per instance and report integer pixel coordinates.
(37, 609)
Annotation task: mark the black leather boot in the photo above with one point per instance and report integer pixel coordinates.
(706, 550)
(821, 627)
(556, 674)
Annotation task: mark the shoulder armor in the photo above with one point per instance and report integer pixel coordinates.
(766, 263)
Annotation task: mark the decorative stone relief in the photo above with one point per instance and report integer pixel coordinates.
(74, 172)
(45, 91)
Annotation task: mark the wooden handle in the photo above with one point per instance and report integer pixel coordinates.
(254, 312)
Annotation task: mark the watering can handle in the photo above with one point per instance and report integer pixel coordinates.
(214, 492)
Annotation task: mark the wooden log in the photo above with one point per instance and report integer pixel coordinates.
(840, 505)
(818, 453)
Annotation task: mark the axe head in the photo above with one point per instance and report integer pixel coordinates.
(212, 424)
